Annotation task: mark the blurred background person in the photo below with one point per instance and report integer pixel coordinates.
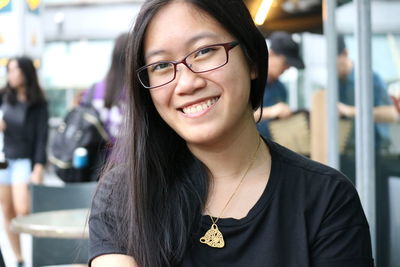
(384, 111)
(25, 127)
(283, 54)
(108, 95)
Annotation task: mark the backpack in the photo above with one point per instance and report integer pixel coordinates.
(81, 128)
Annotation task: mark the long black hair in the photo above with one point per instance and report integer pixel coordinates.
(158, 201)
(34, 92)
(115, 79)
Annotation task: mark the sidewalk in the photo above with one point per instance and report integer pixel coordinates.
(26, 240)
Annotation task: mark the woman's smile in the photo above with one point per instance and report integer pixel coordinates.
(199, 108)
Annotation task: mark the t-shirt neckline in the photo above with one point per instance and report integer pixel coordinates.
(264, 199)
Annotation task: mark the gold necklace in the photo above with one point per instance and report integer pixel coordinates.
(213, 237)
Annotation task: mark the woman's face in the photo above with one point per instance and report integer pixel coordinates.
(200, 107)
(15, 76)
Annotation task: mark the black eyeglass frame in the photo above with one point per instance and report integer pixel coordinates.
(227, 46)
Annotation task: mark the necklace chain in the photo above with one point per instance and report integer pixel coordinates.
(240, 183)
(213, 237)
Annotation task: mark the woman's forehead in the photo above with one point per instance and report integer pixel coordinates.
(13, 64)
(184, 22)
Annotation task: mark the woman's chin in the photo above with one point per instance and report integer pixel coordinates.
(201, 138)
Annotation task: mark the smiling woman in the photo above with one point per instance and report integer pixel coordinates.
(190, 182)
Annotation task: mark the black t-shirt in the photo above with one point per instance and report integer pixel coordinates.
(308, 215)
(26, 131)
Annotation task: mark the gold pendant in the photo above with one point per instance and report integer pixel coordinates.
(213, 237)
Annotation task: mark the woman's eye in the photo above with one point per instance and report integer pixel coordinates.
(160, 66)
(204, 51)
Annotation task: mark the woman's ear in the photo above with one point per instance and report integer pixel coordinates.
(253, 72)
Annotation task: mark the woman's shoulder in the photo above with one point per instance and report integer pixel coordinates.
(298, 162)
(109, 188)
(302, 171)
(324, 194)
(106, 215)
(110, 179)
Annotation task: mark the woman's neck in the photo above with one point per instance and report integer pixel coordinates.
(21, 94)
(228, 159)
(239, 170)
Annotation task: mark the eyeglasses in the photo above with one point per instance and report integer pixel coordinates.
(204, 59)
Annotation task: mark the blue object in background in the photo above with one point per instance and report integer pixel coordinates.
(80, 159)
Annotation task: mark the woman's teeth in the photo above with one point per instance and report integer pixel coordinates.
(200, 106)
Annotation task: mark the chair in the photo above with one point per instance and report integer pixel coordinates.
(50, 251)
(292, 132)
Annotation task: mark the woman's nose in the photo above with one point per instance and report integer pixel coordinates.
(187, 81)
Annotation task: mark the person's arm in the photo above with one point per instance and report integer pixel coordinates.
(385, 114)
(279, 110)
(113, 260)
(3, 125)
(382, 114)
(37, 173)
(384, 110)
(39, 158)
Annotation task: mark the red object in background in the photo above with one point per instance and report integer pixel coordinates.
(396, 102)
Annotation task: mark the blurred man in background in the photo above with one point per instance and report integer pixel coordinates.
(384, 111)
(283, 54)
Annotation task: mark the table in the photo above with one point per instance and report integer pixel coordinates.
(67, 224)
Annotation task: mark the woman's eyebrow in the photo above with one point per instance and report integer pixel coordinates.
(192, 40)
(154, 53)
(200, 36)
